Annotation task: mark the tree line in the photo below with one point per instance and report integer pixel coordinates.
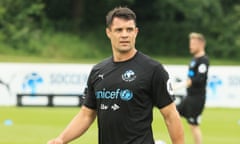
(164, 24)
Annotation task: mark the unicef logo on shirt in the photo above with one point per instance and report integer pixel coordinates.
(129, 76)
(126, 95)
(123, 94)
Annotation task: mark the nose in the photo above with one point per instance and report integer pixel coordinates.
(124, 33)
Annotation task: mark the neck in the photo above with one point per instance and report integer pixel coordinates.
(124, 56)
(200, 54)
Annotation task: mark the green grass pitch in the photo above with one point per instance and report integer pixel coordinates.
(36, 125)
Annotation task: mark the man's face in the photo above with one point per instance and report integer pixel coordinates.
(195, 45)
(122, 34)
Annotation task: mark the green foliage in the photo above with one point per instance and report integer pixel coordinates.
(228, 35)
(68, 46)
(48, 28)
(215, 19)
(20, 23)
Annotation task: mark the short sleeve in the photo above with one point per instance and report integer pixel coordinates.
(162, 92)
(90, 99)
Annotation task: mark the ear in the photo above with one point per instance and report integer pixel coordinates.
(137, 30)
(108, 32)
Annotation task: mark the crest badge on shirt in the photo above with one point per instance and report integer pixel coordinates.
(129, 76)
(202, 68)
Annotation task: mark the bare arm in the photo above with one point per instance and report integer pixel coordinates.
(173, 123)
(79, 124)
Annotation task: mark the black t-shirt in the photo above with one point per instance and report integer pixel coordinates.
(198, 73)
(123, 94)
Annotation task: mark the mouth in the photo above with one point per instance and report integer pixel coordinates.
(124, 42)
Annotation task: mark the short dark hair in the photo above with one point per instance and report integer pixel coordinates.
(120, 12)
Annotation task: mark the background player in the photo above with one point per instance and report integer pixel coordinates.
(192, 106)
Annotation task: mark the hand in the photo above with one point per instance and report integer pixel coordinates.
(179, 85)
(55, 141)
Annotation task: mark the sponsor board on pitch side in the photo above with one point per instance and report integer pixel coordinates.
(223, 86)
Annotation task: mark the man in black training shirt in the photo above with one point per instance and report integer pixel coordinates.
(122, 91)
(192, 106)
